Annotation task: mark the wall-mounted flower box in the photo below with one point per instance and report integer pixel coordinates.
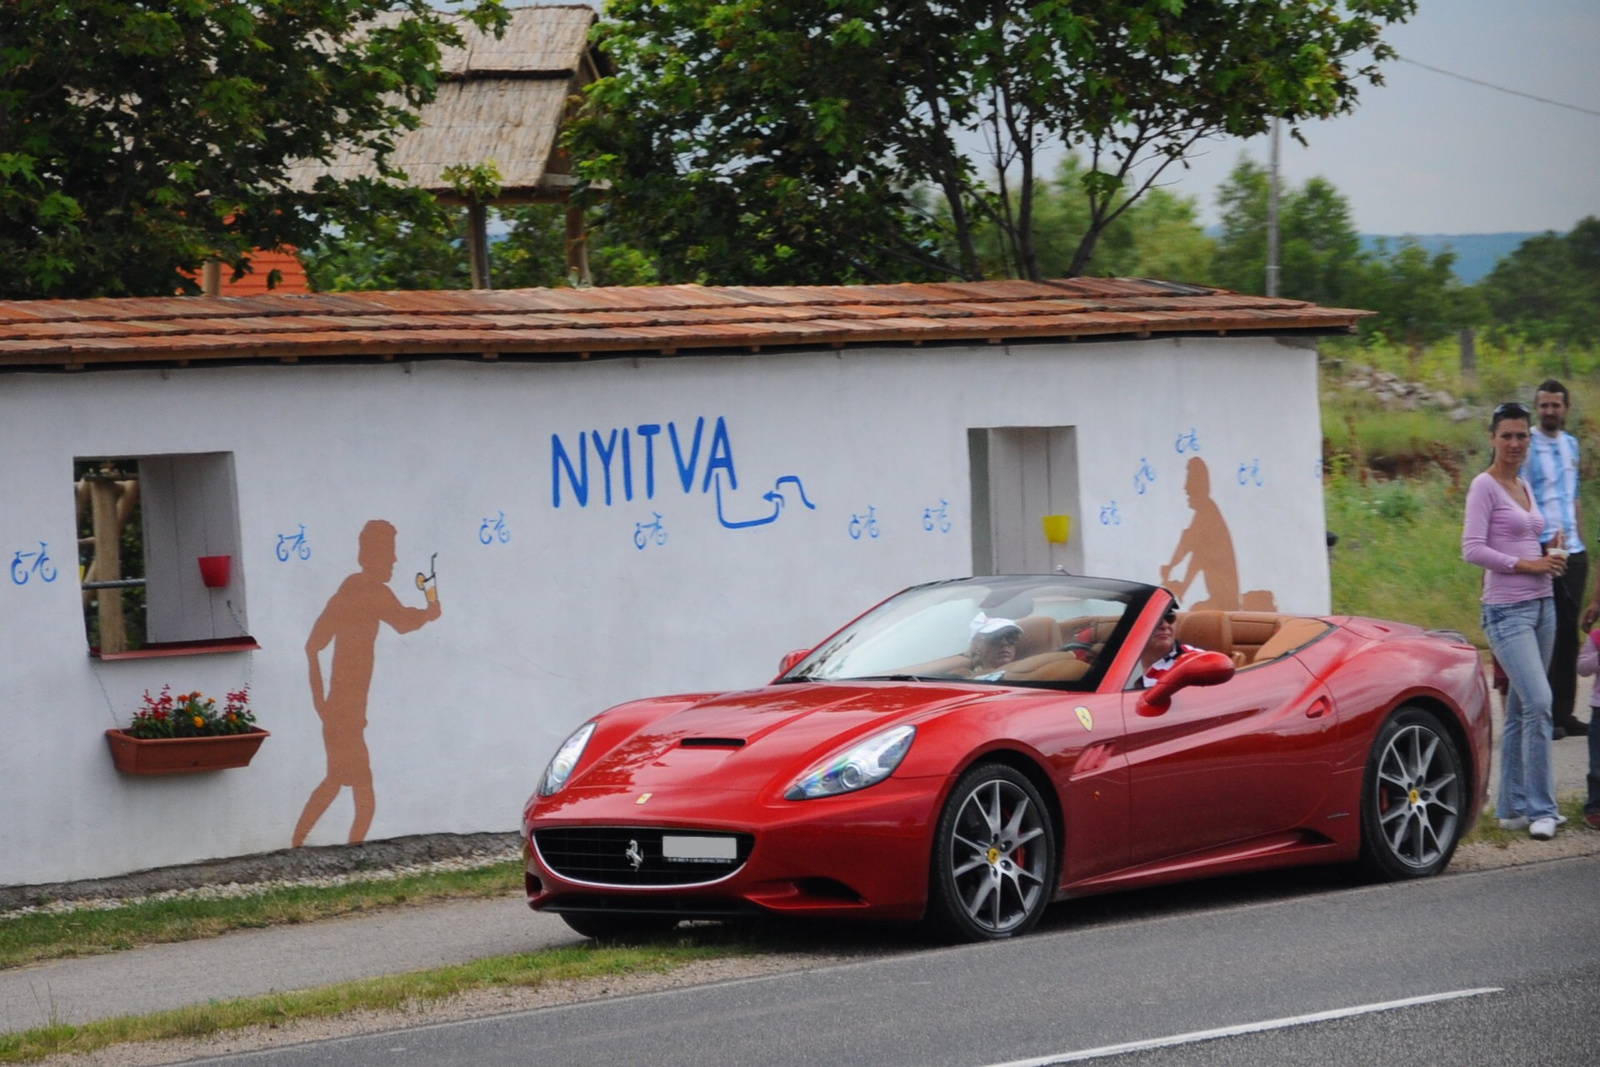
(182, 755)
(182, 733)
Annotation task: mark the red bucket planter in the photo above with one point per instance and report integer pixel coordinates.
(182, 755)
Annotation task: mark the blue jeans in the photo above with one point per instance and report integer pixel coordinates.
(1522, 636)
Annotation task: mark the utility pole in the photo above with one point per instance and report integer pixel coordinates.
(1272, 216)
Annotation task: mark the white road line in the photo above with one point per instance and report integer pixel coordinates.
(1242, 1028)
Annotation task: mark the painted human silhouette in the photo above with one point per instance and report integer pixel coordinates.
(1207, 545)
(349, 622)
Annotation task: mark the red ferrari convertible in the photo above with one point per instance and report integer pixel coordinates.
(969, 751)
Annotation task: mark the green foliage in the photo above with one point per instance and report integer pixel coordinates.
(138, 140)
(1417, 296)
(1399, 553)
(1158, 237)
(1549, 288)
(418, 243)
(1320, 256)
(390, 240)
(748, 142)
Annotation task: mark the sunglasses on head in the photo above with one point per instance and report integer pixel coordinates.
(1511, 409)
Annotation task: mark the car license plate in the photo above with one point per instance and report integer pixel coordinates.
(699, 849)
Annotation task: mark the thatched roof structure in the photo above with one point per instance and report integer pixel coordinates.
(502, 99)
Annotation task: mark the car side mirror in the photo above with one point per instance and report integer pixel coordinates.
(789, 661)
(1203, 668)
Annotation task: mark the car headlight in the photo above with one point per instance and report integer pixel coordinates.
(864, 764)
(565, 759)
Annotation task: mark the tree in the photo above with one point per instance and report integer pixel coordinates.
(746, 141)
(1418, 297)
(1159, 237)
(414, 242)
(1320, 257)
(140, 139)
(1549, 287)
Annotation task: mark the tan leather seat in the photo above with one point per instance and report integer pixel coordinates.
(1049, 667)
(1038, 635)
(1209, 630)
(1249, 630)
(1293, 634)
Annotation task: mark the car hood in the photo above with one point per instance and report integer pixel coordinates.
(744, 742)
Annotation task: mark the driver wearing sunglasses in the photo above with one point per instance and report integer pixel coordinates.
(1163, 651)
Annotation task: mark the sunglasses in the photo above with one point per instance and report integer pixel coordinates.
(1511, 409)
(1170, 618)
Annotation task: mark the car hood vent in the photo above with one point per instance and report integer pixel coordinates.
(712, 742)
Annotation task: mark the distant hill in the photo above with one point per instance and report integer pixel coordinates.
(1476, 253)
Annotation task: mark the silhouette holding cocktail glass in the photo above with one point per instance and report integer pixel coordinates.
(349, 623)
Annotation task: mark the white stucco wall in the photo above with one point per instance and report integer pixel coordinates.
(568, 617)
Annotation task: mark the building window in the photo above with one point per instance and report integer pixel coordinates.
(144, 524)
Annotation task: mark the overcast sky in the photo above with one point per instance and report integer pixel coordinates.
(1425, 153)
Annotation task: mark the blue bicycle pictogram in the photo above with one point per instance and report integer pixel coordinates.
(864, 525)
(937, 517)
(42, 565)
(293, 543)
(1250, 473)
(1146, 475)
(492, 530)
(1109, 516)
(645, 532)
(1187, 442)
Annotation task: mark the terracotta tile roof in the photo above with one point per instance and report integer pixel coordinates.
(664, 320)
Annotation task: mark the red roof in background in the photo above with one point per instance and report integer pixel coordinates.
(657, 320)
(262, 264)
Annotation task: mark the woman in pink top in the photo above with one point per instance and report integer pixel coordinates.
(1501, 535)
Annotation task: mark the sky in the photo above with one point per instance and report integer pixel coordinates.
(1426, 153)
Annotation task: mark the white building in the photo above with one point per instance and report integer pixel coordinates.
(617, 492)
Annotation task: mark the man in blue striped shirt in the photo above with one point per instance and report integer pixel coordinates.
(1552, 470)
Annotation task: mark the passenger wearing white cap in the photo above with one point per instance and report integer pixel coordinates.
(994, 646)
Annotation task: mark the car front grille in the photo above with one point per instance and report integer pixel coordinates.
(632, 855)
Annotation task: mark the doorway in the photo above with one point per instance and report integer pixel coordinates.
(1019, 475)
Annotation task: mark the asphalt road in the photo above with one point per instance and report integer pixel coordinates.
(1524, 936)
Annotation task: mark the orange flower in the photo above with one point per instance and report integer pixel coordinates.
(198, 721)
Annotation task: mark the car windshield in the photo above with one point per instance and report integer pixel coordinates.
(1010, 630)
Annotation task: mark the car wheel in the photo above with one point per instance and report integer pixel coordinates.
(606, 926)
(1412, 798)
(993, 857)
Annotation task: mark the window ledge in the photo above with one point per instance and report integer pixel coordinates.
(243, 643)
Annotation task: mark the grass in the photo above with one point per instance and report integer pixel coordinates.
(1488, 831)
(393, 993)
(31, 938)
(1399, 527)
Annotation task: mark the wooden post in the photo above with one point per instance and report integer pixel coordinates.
(1469, 351)
(211, 278)
(577, 249)
(108, 560)
(478, 243)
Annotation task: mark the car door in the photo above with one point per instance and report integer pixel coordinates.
(1246, 759)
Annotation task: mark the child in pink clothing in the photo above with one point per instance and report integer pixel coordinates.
(1589, 663)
